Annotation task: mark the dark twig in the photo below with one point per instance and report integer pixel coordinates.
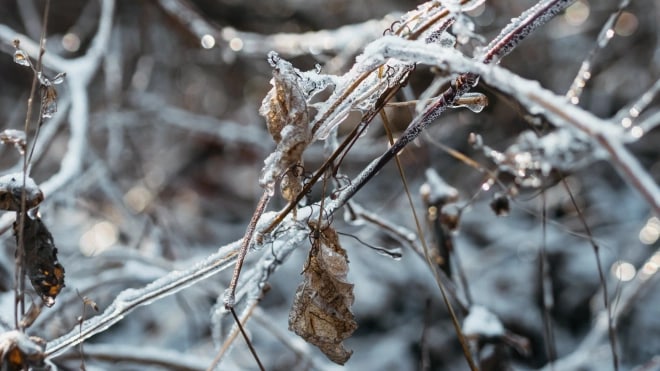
(546, 288)
(601, 275)
(247, 339)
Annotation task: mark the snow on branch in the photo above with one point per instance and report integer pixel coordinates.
(535, 98)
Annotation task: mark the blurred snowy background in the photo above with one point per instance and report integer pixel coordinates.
(152, 163)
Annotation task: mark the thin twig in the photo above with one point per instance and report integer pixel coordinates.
(247, 339)
(443, 290)
(601, 276)
(546, 288)
(232, 336)
(585, 72)
(230, 294)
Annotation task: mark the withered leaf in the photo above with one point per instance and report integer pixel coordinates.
(42, 268)
(321, 312)
(11, 187)
(287, 119)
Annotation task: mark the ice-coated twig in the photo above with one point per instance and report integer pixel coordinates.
(130, 299)
(80, 72)
(528, 93)
(649, 123)
(229, 132)
(144, 355)
(584, 74)
(386, 48)
(230, 294)
(594, 341)
(351, 37)
(627, 115)
(521, 27)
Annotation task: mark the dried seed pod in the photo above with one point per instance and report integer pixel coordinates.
(321, 312)
(450, 216)
(15, 138)
(42, 267)
(11, 187)
(500, 204)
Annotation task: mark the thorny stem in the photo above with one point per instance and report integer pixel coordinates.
(460, 86)
(230, 294)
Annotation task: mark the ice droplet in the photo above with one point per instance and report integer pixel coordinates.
(395, 253)
(21, 58)
(207, 41)
(475, 102)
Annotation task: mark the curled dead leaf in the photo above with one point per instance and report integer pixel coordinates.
(287, 120)
(321, 311)
(42, 268)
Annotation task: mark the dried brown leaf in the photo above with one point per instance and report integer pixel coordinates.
(287, 120)
(42, 267)
(11, 187)
(321, 311)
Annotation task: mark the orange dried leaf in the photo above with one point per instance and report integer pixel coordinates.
(45, 272)
(321, 311)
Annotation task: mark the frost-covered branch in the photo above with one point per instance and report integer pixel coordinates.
(351, 37)
(80, 72)
(176, 281)
(594, 341)
(229, 132)
(130, 299)
(530, 94)
(148, 356)
(384, 49)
